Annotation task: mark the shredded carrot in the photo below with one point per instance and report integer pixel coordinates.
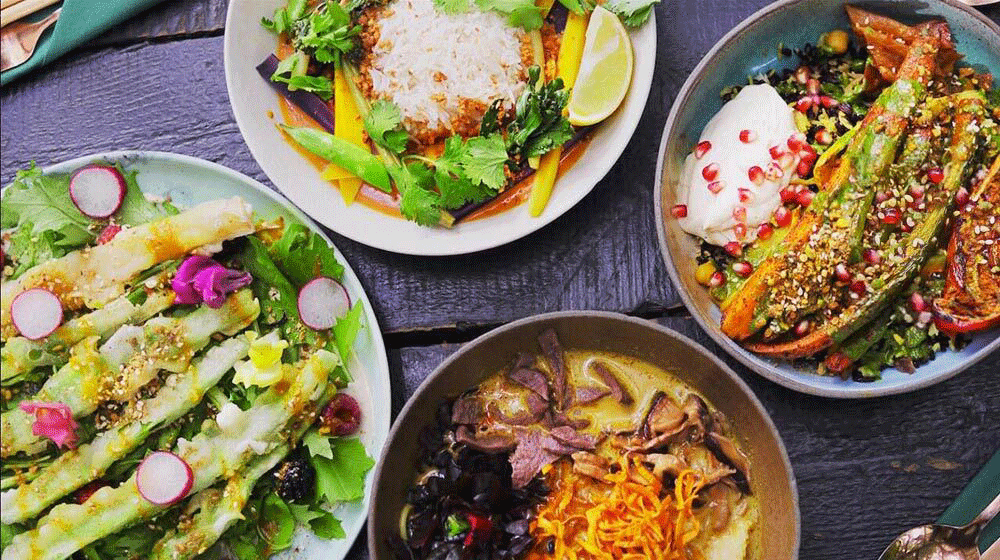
(626, 516)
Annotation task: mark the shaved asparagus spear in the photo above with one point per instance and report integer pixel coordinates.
(20, 355)
(93, 276)
(76, 467)
(218, 510)
(130, 359)
(221, 449)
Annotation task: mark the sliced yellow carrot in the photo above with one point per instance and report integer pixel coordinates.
(348, 125)
(568, 64)
(545, 6)
(334, 172)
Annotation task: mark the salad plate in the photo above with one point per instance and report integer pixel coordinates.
(764, 51)
(259, 109)
(186, 184)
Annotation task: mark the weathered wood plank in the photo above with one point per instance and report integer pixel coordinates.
(177, 18)
(866, 470)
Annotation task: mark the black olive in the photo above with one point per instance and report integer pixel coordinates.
(295, 480)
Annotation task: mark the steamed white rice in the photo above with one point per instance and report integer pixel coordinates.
(428, 62)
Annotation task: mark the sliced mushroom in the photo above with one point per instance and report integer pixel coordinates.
(697, 415)
(666, 464)
(707, 464)
(591, 465)
(716, 499)
(665, 416)
(726, 450)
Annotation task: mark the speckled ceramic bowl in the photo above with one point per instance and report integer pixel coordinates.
(751, 48)
(771, 479)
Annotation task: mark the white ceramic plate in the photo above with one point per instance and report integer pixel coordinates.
(247, 44)
(189, 181)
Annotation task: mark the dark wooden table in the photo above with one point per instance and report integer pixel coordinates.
(866, 470)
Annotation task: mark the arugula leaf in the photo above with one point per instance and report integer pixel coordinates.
(487, 156)
(43, 200)
(633, 13)
(303, 255)
(277, 296)
(342, 478)
(346, 330)
(383, 124)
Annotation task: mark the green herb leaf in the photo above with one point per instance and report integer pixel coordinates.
(485, 161)
(632, 13)
(326, 33)
(136, 208)
(28, 250)
(417, 201)
(452, 6)
(520, 13)
(44, 202)
(384, 125)
(303, 255)
(320, 85)
(303, 513)
(326, 526)
(278, 524)
(342, 478)
(539, 124)
(285, 17)
(277, 296)
(346, 330)
(317, 444)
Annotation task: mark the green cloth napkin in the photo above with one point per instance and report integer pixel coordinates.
(974, 499)
(79, 22)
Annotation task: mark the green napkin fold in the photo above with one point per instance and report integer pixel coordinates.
(79, 22)
(974, 499)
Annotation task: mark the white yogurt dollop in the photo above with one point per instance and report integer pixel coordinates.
(717, 183)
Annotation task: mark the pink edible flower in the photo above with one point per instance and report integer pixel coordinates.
(202, 280)
(53, 420)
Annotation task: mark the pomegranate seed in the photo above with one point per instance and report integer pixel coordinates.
(747, 136)
(710, 171)
(788, 194)
(803, 104)
(774, 171)
(859, 287)
(717, 280)
(808, 153)
(702, 148)
(740, 230)
(734, 248)
(802, 74)
(841, 272)
(740, 214)
(716, 186)
(746, 195)
(891, 216)
(935, 175)
(917, 302)
(812, 86)
(962, 196)
(796, 141)
(871, 256)
(881, 196)
(917, 190)
(823, 136)
(803, 327)
(743, 269)
(756, 175)
(828, 102)
(805, 197)
(782, 216)
(764, 231)
(108, 233)
(786, 161)
(776, 151)
(804, 168)
(679, 210)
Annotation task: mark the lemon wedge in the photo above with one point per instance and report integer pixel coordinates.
(605, 70)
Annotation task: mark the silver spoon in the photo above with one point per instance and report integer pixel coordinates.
(942, 542)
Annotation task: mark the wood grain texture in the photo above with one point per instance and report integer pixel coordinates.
(866, 470)
(171, 96)
(169, 19)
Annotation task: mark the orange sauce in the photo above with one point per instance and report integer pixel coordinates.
(388, 203)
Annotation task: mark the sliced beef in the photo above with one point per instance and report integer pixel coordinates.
(554, 355)
(493, 441)
(586, 395)
(573, 438)
(467, 410)
(618, 391)
(533, 412)
(530, 456)
(532, 379)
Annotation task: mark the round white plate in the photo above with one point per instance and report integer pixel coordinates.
(189, 181)
(247, 44)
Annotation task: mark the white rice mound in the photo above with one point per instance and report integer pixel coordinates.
(475, 55)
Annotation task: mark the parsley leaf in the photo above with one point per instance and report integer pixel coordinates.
(487, 156)
(383, 125)
(633, 13)
(297, 79)
(342, 478)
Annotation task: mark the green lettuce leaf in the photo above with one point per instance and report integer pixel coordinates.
(43, 201)
(342, 478)
(303, 255)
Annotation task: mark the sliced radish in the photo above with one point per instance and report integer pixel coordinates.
(321, 302)
(36, 313)
(164, 478)
(97, 190)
